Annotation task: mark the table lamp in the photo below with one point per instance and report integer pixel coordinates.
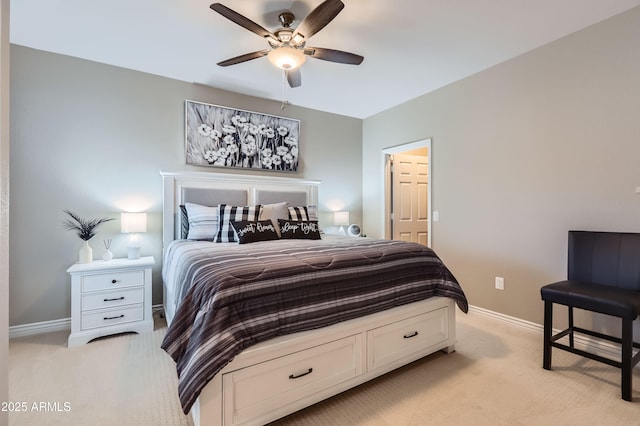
(133, 223)
(341, 219)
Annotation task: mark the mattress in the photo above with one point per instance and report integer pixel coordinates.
(230, 296)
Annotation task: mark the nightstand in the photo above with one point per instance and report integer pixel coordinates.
(109, 297)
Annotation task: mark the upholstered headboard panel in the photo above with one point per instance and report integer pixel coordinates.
(213, 196)
(270, 197)
(211, 189)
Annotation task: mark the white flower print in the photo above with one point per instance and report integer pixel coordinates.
(267, 162)
(204, 129)
(236, 138)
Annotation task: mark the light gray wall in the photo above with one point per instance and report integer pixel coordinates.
(522, 153)
(92, 138)
(4, 206)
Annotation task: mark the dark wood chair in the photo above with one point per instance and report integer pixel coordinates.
(603, 276)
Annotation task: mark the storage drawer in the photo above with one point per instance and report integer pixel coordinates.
(109, 299)
(401, 339)
(108, 317)
(112, 280)
(258, 389)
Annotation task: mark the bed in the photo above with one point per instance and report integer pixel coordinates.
(263, 329)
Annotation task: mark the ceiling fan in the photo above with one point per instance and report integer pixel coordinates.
(287, 46)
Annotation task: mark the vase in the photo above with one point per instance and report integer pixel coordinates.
(107, 256)
(85, 254)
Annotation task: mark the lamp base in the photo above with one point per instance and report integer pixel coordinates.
(133, 252)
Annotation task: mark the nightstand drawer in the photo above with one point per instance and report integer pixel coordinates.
(112, 280)
(109, 299)
(108, 317)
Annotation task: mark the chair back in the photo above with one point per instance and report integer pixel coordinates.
(610, 258)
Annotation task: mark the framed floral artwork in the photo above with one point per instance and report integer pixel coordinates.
(224, 137)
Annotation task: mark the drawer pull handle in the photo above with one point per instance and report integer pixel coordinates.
(410, 335)
(297, 376)
(114, 299)
(113, 281)
(110, 318)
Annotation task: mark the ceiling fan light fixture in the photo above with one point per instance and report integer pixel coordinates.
(286, 57)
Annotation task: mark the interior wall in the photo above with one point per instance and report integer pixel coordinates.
(524, 152)
(92, 138)
(4, 206)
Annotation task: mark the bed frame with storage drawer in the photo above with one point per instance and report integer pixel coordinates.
(278, 377)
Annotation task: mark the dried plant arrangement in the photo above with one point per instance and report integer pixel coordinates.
(86, 228)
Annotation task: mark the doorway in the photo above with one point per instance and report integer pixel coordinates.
(407, 189)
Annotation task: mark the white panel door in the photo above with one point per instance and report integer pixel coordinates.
(410, 217)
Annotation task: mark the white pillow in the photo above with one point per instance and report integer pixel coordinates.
(203, 221)
(275, 212)
(312, 211)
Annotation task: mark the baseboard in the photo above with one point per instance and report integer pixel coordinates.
(39, 328)
(51, 326)
(599, 347)
(506, 318)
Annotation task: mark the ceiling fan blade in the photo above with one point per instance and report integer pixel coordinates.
(334, 55)
(243, 21)
(317, 19)
(294, 77)
(244, 58)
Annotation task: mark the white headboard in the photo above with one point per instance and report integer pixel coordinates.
(216, 188)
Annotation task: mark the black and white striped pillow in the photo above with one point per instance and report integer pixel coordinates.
(299, 213)
(227, 213)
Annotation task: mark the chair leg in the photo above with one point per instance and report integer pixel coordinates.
(627, 354)
(548, 328)
(571, 326)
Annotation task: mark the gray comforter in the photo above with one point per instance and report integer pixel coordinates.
(234, 296)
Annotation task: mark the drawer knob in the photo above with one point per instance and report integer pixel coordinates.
(410, 335)
(114, 281)
(297, 376)
(114, 299)
(110, 318)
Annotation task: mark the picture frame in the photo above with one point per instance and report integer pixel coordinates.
(217, 136)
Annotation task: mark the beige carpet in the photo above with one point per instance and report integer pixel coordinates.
(120, 380)
(494, 378)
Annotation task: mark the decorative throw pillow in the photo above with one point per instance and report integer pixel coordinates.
(226, 213)
(251, 232)
(312, 212)
(303, 230)
(298, 213)
(274, 212)
(203, 221)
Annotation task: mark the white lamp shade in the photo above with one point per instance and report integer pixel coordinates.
(133, 222)
(286, 57)
(341, 218)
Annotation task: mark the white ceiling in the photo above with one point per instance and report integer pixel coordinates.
(411, 47)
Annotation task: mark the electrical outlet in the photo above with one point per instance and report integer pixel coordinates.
(499, 283)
